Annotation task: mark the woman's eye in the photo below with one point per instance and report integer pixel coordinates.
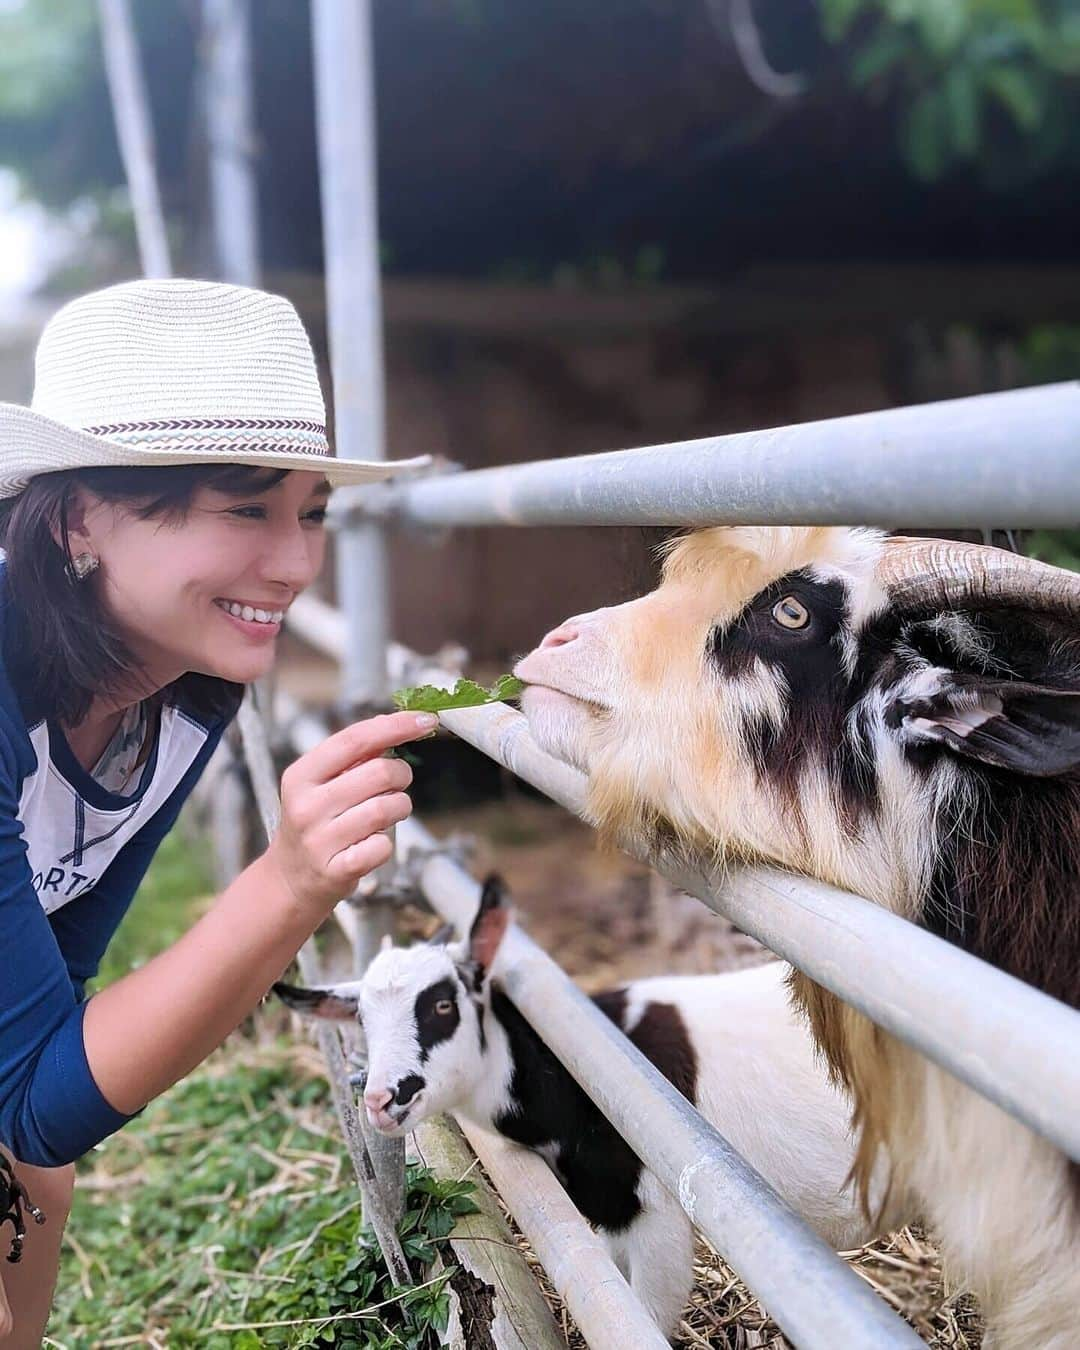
(790, 613)
(444, 1007)
(249, 512)
(316, 517)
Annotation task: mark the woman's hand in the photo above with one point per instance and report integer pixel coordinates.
(336, 801)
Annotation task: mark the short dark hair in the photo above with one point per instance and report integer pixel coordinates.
(59, 641)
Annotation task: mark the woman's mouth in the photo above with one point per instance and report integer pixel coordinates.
(254, 620)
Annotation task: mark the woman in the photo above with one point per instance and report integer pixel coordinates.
(161, 505)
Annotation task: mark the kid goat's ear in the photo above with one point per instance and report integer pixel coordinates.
(1027, 728)
(490, 925)
(334, 1003)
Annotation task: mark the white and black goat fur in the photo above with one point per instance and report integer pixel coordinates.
(900, 718)
(442, 1035)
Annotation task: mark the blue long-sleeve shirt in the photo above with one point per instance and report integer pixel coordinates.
(72, 855)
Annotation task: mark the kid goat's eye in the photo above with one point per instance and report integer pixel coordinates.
(791, 613)
(444, 1007)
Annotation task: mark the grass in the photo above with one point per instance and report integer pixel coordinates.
(226, 1215)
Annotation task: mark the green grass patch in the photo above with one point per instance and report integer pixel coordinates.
(227, 1216)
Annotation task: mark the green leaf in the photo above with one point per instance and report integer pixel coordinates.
(465, 694)
(962, 105)
(1020, 92)
(886, 49)
(506, 686)
(942, 25)
(922, 137)
(837, 16)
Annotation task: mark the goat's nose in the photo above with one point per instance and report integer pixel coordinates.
(377, 1099)
(561, 636)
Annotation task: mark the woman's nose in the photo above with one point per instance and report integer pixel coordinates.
(292, 562)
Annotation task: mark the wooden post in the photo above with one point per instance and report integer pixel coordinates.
(498, 1302)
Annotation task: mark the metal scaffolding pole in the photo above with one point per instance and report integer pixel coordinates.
(345, 116)
(230, 134)
(345, 120)
(378, 1206)
(135, 132)
(1009, 459)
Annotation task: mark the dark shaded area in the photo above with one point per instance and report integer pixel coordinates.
(617, 140)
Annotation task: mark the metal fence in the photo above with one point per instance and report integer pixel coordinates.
(1010, 1042)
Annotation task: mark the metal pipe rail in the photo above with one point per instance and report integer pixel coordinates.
(1013, 459)
(1010, 1042)
(811, 1294)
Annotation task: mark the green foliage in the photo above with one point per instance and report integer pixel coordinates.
(987, 82)
(226, 1216)
(465, 694)
(56, 122)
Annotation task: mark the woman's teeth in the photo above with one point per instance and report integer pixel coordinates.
(249, 613)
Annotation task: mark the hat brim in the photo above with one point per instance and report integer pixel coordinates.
(32, 444)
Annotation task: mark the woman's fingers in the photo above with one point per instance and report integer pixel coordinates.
(365, 780)
(360, 821)
(360, 741)
(356, 861)
(337, 799)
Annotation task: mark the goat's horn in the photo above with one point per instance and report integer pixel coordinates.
(947, 574)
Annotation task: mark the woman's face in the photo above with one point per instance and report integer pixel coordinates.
(207, 593)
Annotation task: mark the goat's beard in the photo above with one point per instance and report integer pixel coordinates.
(559, 724)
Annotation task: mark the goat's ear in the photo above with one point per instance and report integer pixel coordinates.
(490, 925)
(334, 1002)
(1026, 728)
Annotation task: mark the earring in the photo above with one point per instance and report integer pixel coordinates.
(81, 565)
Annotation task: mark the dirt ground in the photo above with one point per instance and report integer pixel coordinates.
(605, 918)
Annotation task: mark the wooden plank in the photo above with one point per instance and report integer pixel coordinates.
(607, 1311)
(499, 1302)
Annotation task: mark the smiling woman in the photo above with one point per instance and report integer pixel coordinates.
(161, 506)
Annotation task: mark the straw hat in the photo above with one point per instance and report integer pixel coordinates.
(175, 372)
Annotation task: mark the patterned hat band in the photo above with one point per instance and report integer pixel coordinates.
(266, 435)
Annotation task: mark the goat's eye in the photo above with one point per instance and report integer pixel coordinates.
(444, 1007)
(791, 613)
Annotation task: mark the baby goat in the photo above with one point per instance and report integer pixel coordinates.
(442, 1036)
